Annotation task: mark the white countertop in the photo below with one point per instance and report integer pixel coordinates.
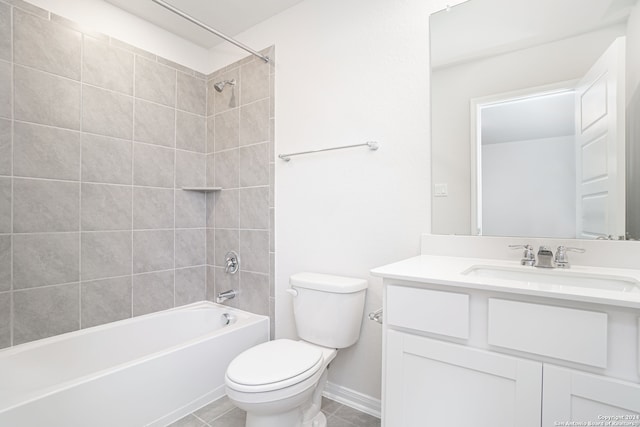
(448, 271)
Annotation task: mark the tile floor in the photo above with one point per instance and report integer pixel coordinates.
(222, 413)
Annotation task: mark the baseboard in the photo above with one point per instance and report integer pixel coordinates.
(353, 399)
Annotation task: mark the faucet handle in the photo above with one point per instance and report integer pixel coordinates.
(528, 257)
(561, 259)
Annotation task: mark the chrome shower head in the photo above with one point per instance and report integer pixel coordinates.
(220, 85)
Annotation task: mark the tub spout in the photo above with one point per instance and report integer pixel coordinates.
(223, 296)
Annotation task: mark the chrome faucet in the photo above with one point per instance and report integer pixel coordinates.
(223, 296)
(561, 260)
(545, 257)
(528, 258)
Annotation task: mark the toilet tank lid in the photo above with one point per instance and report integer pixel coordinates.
(328, 283)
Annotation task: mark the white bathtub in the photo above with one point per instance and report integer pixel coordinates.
(146, 371)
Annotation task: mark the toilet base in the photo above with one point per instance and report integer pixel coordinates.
(320, 420)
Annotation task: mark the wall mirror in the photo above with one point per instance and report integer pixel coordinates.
(535, 118)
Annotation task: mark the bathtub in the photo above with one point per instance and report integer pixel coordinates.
(146, 371)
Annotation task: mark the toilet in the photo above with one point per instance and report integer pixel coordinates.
(279, 383)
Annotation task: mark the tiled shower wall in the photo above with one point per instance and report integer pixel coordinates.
(240, 155)
(96, 140)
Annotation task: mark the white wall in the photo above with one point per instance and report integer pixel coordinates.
(97, 15)
(348, 72)
(452, 89)
(534, 201)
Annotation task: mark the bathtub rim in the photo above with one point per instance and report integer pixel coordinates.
(250, 319)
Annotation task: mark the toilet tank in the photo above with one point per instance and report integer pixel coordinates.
(328, 309)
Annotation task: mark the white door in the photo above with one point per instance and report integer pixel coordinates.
(430, 383)
(579, 397)
(600, 134)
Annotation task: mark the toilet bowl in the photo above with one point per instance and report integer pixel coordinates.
(279, 383)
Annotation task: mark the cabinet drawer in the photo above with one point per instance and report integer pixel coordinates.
(576, 335)
(445, 313)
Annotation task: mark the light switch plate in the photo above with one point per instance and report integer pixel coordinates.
(440, 190)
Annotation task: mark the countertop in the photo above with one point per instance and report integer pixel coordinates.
(449, 271)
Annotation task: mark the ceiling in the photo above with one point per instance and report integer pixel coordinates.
(230, 17)
(481, 28)
(537, 117)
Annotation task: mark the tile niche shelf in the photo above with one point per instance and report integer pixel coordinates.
(202, 189)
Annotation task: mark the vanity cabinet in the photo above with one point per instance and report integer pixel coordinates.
(573, 395)
(435, 383)
(469, 357)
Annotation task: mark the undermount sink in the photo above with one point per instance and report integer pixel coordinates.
(555, 277)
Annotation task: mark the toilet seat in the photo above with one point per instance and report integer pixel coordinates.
(274, 365)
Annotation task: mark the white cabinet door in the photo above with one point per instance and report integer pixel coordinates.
(581, 398)
(431, 383)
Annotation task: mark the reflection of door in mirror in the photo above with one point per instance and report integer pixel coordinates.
(600, 142)
(547, 158)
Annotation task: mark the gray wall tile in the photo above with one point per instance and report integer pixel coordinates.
(190, 169)
(152, 250)
(46, 99)
(191, 94)
(154, 124)
(155, 82)
(45, 206)
(105, 254)
(45, 45)
(226, 209)
(254, 122)
(5, 205)
(130, 48)
(5, 89)
(211, 240)
(105, 207)
(190, 209)
(5, 32)
(104, 301)
(45, 152)
(34, 10)
(211, 134)
(254, 208)
(226, 132)
(190, 285)
(152, 208)
(45, 259)
(5, 319)
(5, 147)
(153, 166)
(152, 292)
(107, 67)
(254, 250)
(190, 247)
(254, 165)
(106, 159)
(255, 81)
(254, 295)
(107, 113)
(5, 263)
(191, 132)
(226, 169)
(210, 169)
(44, 312)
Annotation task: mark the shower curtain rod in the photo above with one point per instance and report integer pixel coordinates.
(208, 28)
